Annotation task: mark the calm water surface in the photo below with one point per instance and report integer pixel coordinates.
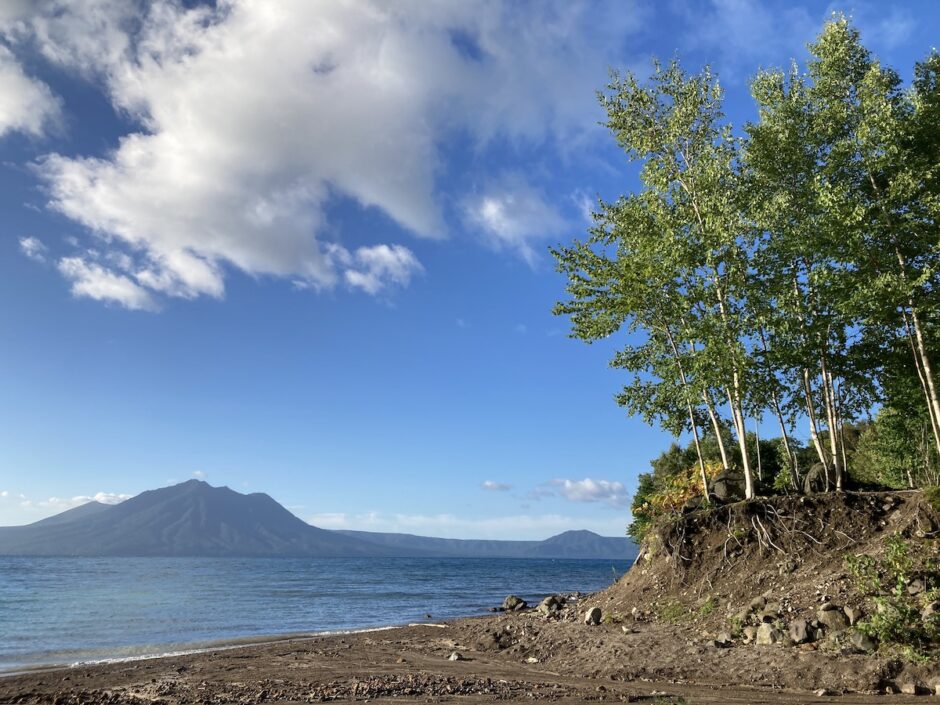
(69, 610)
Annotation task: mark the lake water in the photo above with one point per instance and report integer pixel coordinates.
(70, 610)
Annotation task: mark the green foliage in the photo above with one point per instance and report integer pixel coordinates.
(896, 451)
(671, 611)
(932, 495)
(897, 618)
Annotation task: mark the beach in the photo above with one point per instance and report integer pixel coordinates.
(519, 656)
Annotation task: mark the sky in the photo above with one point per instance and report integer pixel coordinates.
(301, 247)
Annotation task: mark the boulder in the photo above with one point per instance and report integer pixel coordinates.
(799, 631)
(593, 616)
(456, 656)
(767, 635)
(816, 480)
(750, 634)
(723, 641)
(551, 604)
(916, 586)
(853, 614)
(513, 603)
(862, 642)
(757, 604)
(834, 620)
(728, 486)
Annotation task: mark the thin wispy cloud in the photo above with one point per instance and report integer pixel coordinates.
(494, 486)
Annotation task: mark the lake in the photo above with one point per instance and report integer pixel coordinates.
(72, 610)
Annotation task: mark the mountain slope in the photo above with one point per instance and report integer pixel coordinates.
(570, 544)
(190, 519)
(196, 519)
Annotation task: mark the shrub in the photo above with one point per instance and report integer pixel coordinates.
(654, 500)
(897, 618)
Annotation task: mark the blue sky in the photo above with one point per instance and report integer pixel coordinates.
(301, 248)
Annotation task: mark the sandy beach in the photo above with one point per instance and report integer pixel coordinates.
(519, 656)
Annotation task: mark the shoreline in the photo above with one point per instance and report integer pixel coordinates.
(219, 645)
(513, 656)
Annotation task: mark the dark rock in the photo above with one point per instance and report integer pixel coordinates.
(593, 616)
(834, 620)
(723, 641)
(816, 480)
(728, 486)
(862, 642)
(513, 603)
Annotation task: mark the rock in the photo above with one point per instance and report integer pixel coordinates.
(758, 603)
(916, 586)
(768, 616)
(767, 635)
(833, 620)
(531, 659)
(727, 486)
(723, 641)
(456, 656)
(909, 688)
(513, 603)
(823, 693)
(930, 611)
(827, 607)
(799, 631)
(853, 614)
(816, 480)
(750, 634)
(862, 642)
(551, 604)
(593, 616)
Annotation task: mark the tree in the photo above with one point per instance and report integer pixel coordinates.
(671, 261)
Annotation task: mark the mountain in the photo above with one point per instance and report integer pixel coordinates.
(78, 512)
(570, 544)
(196, 519)
(190, 519)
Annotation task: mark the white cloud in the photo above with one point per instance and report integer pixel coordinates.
(33, 248)
(588, 490)
(199, 475)
(253, 116)
(521, 527)
(91, 280)
(374, 269)
(495, 486)
(60, 504)
(512, 214)
(26, 104)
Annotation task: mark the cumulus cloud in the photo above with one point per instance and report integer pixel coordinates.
(588, 490)
(94, 281)
(60, 504)
(199, 475)
(33, 248)
(373, 269)
(26, 104)
(495, 486)
(522, 526)
(251, 117)
(513, 215)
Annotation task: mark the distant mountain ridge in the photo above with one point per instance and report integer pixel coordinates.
(195, 519)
